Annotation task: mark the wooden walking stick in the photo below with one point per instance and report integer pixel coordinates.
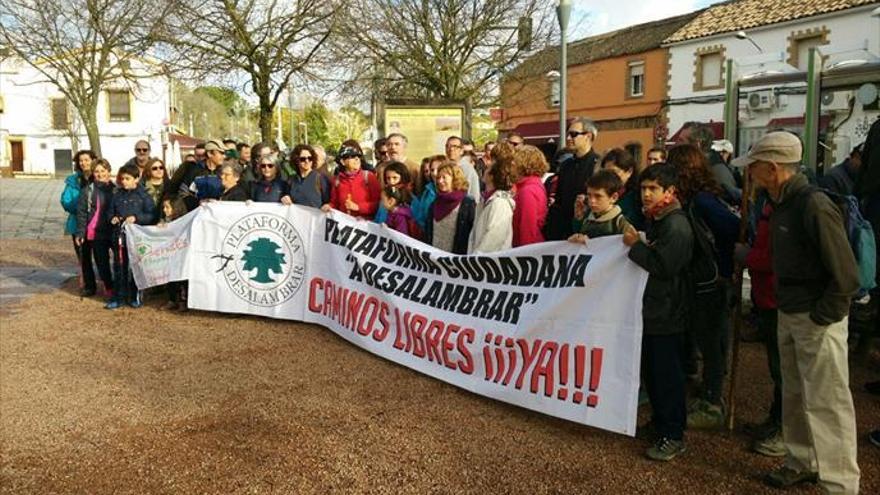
(737, 308)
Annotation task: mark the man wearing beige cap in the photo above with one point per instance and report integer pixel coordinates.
(816, 278)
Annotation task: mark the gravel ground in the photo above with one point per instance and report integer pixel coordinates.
(145, 401)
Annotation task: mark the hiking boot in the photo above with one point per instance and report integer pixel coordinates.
(113, 304)
(665, 449)
(705, 415)
(771, 446)
(761, 431)
(786, 477)
(874, 437)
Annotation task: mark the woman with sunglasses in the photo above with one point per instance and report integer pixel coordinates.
(356, 191)
(155, 182)
(308, 187)
(269, 186)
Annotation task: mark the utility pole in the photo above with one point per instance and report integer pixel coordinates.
(563, 11)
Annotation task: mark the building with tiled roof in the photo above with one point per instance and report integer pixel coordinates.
(779, 37)
(616, 78)
(735, 15)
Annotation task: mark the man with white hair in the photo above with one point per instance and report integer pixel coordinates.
(816, 278)
(720, 154)
(396, 144)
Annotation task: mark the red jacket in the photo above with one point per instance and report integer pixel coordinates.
(364, 190)
(760, 263)
(529, 211)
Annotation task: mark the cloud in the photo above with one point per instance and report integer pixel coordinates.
(591, 17)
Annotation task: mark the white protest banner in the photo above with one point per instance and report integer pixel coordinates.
(158, 253)
(553, 327)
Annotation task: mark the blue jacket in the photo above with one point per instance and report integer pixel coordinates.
(312, 191)
(133, 203)
(724, 225)
(262, 191)
(70, 200)
(421, 205)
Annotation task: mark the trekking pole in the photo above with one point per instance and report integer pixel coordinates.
(737, 308)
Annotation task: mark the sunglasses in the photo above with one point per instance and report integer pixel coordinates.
(267, 165)
(345, 157)
(142, 150)
(575, 134)
(303, 159)
(158, 167)
(514, 143)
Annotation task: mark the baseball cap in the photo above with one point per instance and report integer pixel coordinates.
(214, 145)
(722, 145)
(348, 151)
(779, 147)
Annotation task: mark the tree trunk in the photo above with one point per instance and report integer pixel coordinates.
(91, 125)
(266, 114)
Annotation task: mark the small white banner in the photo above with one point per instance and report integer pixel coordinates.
(158, 253)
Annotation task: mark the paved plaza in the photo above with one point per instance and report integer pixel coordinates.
(31, 209)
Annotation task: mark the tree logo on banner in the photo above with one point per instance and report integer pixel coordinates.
(263, 259)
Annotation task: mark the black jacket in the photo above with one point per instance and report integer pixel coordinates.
(814, 264)
(573, 174)
(235, 193)
(133, 203)
(463, 224)
(665, 257)
(869, 174)
(85, 210)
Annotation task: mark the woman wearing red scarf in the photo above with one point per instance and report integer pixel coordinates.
(531, 197)
(452, 213)
(356, 191)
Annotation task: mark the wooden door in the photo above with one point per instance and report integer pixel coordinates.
(17, 156)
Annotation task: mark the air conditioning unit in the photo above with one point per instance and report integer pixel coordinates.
(836, 101)
(762, 100)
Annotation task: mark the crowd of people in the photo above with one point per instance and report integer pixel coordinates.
(680, 213)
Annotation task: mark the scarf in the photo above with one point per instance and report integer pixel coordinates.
(659, 208)
(446, 202)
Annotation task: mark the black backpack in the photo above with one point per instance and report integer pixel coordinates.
(702, 272)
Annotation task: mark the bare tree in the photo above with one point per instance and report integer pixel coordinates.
(451, 49)
(269, 42)
(81, 46)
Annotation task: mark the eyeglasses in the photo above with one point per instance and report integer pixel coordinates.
(303, 159)
(575, 134)
(267, 165)
(158, 167)
(142, 150)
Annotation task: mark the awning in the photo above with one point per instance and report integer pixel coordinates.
(184, 141)
(788, 122)
(539, 132)
(717, 130)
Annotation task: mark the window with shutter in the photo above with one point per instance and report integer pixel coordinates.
(59, 114)
(119, 104)
(636, 79)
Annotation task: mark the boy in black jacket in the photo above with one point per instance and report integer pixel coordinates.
(665, 255)
(130, 204)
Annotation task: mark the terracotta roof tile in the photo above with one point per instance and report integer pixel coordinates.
(633, 39)
(735, 15)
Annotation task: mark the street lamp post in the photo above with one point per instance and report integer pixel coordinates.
(305, 126)
(563, 11)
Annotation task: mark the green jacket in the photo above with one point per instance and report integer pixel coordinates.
(814, 264)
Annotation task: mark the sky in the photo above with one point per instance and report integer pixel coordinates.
(591, 17)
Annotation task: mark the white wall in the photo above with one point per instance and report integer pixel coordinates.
(846, 30)
(27, 116)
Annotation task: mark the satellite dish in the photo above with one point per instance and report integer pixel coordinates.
(867, 94)
(827, 98)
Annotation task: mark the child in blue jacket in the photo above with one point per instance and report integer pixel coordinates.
(130, 204)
